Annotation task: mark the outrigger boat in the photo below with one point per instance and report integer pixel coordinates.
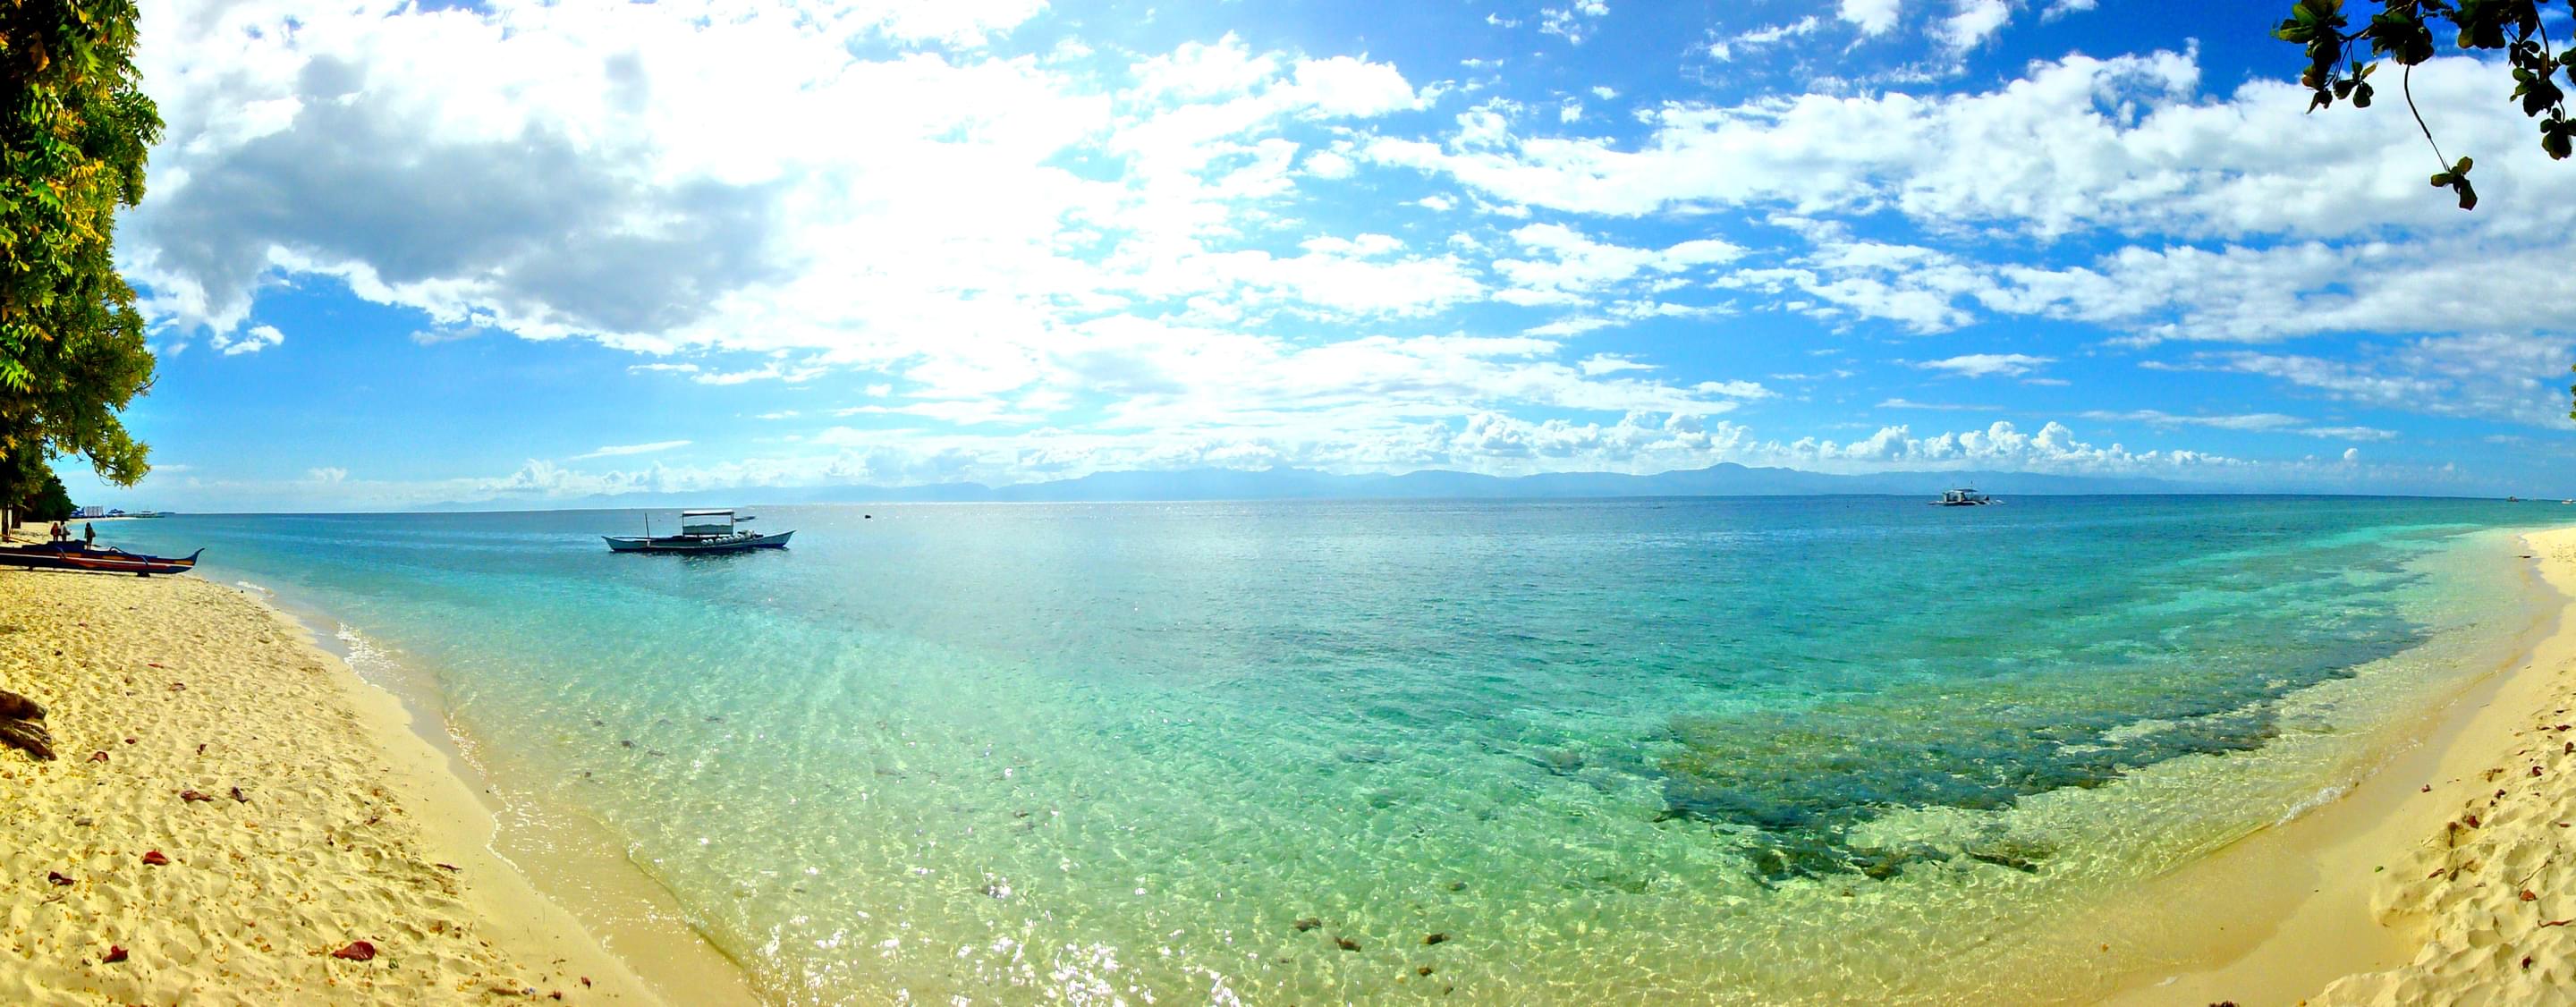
(75, 556)
(1963, 498)
(703, 531)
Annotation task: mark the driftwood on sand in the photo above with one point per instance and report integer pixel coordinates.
(22, 727)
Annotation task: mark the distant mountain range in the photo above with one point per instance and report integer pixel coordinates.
(1727, 479)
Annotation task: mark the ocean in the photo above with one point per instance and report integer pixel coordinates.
(1742, 750)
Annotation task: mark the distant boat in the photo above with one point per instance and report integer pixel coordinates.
(75, 556)
(1963, 498)
(701, 531)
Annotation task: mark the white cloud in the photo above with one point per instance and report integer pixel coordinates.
(1937, 406)
(1986, 365)
(2003, 446)
(616, 450)
(1972, 22)
(2518, 379)
(1575, 21)
(258, 338)
(1874, 17)
(2259, 422)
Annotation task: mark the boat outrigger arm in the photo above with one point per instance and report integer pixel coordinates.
(705, 531)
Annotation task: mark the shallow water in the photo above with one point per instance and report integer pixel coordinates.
(1731, 750)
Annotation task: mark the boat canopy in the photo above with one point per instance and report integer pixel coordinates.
(706, 522)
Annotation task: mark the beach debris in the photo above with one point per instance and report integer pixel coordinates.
(129, 741)
(1309, 923)
(57, 878)
(19, 728)
(192, 797)
(98, 756)
(239, 797)
(447, 867)
(1423, 971)
(1434, 939)
(178, 686)
(16, 707)
(155, 858)
(151, 664)
(627, 743)
(357, 951)
(585, 982)
(2526, 963)
(2530, 896)
(2557, 923)
(1347, 944)
(2428, 788)
(114, 955)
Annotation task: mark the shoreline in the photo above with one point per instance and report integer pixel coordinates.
(349, 826)
(562, 870)
(2334, 906)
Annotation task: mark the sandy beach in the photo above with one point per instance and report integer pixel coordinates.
(2488, 895)
(235, 818)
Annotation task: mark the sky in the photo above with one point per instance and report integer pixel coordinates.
(402, 254)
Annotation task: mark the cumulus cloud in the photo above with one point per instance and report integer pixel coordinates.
(1873, 17)
(257, 338)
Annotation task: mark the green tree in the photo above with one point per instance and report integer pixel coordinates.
(51, 502)
(74, 129)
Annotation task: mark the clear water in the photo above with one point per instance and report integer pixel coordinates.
(1731, 750)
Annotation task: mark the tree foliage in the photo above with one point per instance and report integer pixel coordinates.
(74, 128)
(50, 502)
(2402, 32)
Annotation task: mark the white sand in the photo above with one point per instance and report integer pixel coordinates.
(351, 828)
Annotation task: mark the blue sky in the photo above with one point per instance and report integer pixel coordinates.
(397, 254)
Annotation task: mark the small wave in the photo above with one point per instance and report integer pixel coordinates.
(248, 586)
(2312, 802)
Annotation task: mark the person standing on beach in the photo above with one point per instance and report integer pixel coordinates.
(89, 535)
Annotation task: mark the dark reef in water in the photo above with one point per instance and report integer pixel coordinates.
(1803, 780)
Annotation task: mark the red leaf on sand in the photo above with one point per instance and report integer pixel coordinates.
(151, 664)
(114, 955)
(2471, 819)
(98, 756)
(357, 951)
(191, 795)
(2557, 923)
(178, 686)
(155, 858)
(239, 797)
(2530, 896)
(2535, 770)
(57, 878)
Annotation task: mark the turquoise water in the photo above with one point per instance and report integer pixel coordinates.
(1729, 750)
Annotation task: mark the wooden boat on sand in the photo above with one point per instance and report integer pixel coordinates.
(75, 556)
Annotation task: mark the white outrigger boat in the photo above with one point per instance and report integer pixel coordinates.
(1963, 498)
(700, 531)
